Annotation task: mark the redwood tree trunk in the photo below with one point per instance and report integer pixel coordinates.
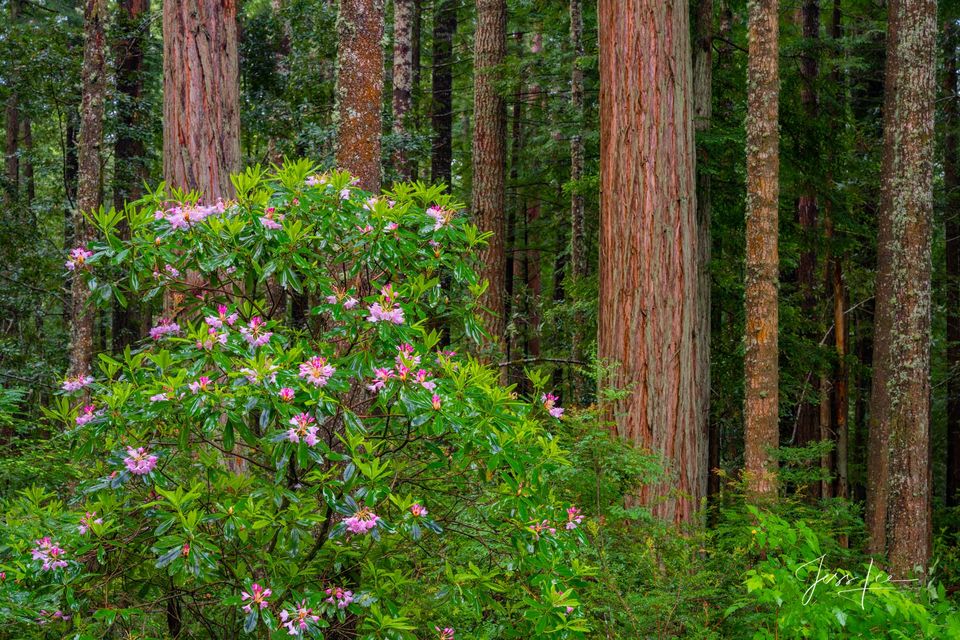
(761, 406)
(201, 105)
(403, 19)
(90, 176)
(489, 158)
(650, 303)
(441, 110)
(578, 257)
(360, 89)
(902, 413)
(951, 183)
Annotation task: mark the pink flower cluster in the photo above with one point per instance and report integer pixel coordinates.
(49, 553)
(303, 428)
(221, 318)
(418, 510)
(348, 304)
(202, 384)
(270, 217)
(139, 461)
(381, 376)
(163, 328)
(46, 617)
(541, 528)
(298, 621)
(339, 596)
(316, 371)
(440, 216)
(287, 394)
(185, 216)
(362, 521)
(87, 521)
(213, 338)
(78, 258)
(256, 334)
(87, 414)
(387, 310)
(445, 634)
(550, 404)
(436, 401)
(574, 518)
(75, 383)
(258, 596)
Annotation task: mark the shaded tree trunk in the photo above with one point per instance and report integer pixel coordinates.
(578, 248)
(901, 408)
(403, 19)
(649, 314)
(761, 406)
(951, 183)
(489, 159)
(90, 175)
(12, 125)
(441, 110)
(201, 105)
(28, 176)
(129, 150)
(360, 89)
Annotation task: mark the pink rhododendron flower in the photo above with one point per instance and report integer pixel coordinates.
(87, 521)
(78, 258)
(256, 334)
(313, 181)
(379, 314)
(381, 377)
(541, 528)
(86, 415)
(48, 553)
(286, 394)
(418, 510)
(391, 226)
(75, 383)
(339, 596)
(440, 216)
(267, 219)
(406, 356)
(165, 327)
(365, 229)
(202, 384)
(549, 403)
(218, 320)
(435, 401)
(362, 521)
(258, 597)
(160, 397)
(46, 617)
(574, 518)
(298, 621)
(303, 428)
(316, 371)
(139, 461)
(445, 634)
(172, 271)
(187, 215)
(345, 193)
(421, 379)
(331, 299)
(213, 338)
(256, 377)
(350, 303)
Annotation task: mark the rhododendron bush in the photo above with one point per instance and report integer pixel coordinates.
(295, 450)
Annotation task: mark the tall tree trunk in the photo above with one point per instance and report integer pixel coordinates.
(12, 125)
(649, 314)
(761, 410)
(578, 249)
(403, 19)
(489, 158)
(808, 413)
(28, 176)
(201, 105)
(441, 109)
(360, 89)
(703, 113)
(90, 174)
(951, 183)
(901, 409)
(129, 150)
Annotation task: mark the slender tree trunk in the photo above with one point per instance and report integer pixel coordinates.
(403, 24)
(441, 111)
(201, 106)
(761, 410)
(360, 89)
(901, 410)
(489, 159)
(578, 249)
(28, 176)
(90, 175)
(951, 183)
(12, 125)
(129, 151)
(649, 314)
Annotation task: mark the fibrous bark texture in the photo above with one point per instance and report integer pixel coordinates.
(761, 406)
(201, 103)
(403, 19)
(650, 304)
(901, 409)
(489, 158)
(441, 110)
(90, 175)
(360, 89)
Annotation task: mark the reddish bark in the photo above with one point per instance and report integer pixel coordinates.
(360, 89)
(650, 305)
(489, 159)
(761, 406)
